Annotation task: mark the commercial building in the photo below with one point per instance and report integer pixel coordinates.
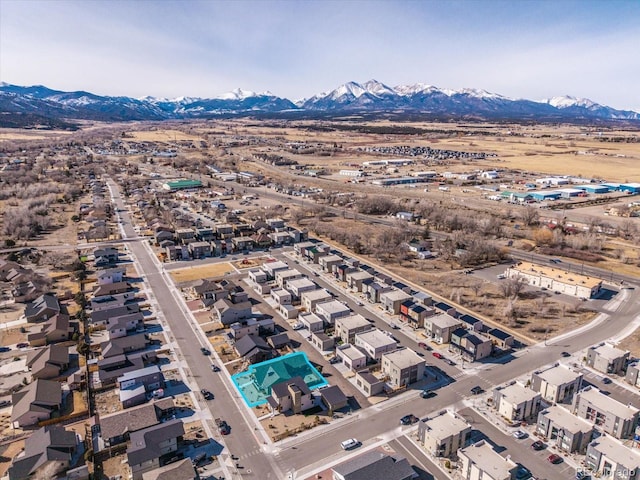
(569, 283)
(183, 184)
(609, 458)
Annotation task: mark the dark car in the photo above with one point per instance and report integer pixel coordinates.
(477, 390)
(428, 394)
(215, 368)
(554, 459)
(22, 345)
(205, 351)
(565, 354)
(206, 394)
(606, 380)
(5, 349)
(538, 445)
(522, 473)
(408, 419)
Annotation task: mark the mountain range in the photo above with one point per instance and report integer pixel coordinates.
(44, 105)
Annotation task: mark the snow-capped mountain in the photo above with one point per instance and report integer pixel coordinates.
(371, 97)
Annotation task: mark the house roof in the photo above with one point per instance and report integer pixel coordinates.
(118, 311)
(281, 389)
(50, 443)
(564, 419)
(37, 397)
(53, 355)
(609, 352)
(142, 372)
(109, 288)
(403, 358)
(375, 465)
(182, 470)
(603, 403)
(499, 334)
(332, 395)
(279, 340)
(146, 444)
(127, 421)
(248, 343)
(445, 425)
(42, 303)
(616, 452)
(118, 346)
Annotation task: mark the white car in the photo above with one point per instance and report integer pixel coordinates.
(349, 444)
(519, 434)
(298, 326)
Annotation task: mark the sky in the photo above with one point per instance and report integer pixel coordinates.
(295, 49)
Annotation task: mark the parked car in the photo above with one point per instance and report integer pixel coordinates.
(538, 445)
(223, 427)
(349, 444)
(522, 473)
(409, 419)
(334, 360)
(565, 354)
(215, 368)
(519, 434)
(428, 394)
(606, 380)
(5, 403)
(5, 349)
(477, 390)
(22, 345)
(437, 354)
(554, 459)
(298, 326)
(205, 351)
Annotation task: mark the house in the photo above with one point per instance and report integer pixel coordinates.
(47, 452)
(374, 465)
(263, 240)
(322, 341)
(564, 430)
(290, 395)
(185, 235)
(414, 313)
(439, 327)
(312, 298)
(149, 444)
(333, 398)
(403, 367)
(351, 357)
(111, 288)
(375, 290)
(347, 327)
(280, 238)
(355, 278)
(328, 261)
(270, 268)
(515, 402)
(163, 236)
(35, 402)
(105, 256)
(181, 470)
(556, 384)
(242, 243)
(368, 383)
(633, 373)
(609, 415)
(610, 458)
(392, 300)
(471, 346)
(471, 323)
(121, 326)
(444, 434)
(374, 343)
(278, 341)
(253, 349)
(151, 378)
(227, 312)
(481, 461)
(207, 289)
(116, 428)
(107, 302)
(205, 234)
(606, 358)
(199, 249)
(100, 317)
(298, 286)
(25, 292)
(55, 329)
(48, 362)
(282, 276)
(287, 311)
(281, 296)
(311, 322)
(341, 271)
(176, 252)
(257, 276)
(501, 338)
(332, 310)
(111, 368)
(422, 298)
(42, 308)
(123, 345)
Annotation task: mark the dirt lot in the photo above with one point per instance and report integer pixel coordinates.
(189, 274)
(278, 426)
(12, 336)
(9, 451)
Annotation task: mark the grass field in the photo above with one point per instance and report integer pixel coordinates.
(189, 274)
(162, 136)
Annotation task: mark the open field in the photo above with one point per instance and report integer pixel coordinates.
(190, 274)
(161, 136)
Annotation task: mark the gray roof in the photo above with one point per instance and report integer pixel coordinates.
(127, 421)
(41, 304)
(182, 470)
(37, 396)
(145, 444)
(332, 395)
(280, 389)
(375, 465)
(51, 443)
(248, 343)
(117, 346)
(103, 315)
